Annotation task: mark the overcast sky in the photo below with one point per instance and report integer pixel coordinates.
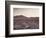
(29, 12)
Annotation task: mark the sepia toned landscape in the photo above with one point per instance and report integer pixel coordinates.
(23, 22)
(26, 18)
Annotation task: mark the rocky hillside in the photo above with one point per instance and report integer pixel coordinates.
(22, 22)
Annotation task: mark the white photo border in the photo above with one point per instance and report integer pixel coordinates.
(25, 31)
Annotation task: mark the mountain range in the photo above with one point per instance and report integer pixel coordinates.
(23, 22)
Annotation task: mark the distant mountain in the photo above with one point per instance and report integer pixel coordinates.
(20, 16)
(23, 22)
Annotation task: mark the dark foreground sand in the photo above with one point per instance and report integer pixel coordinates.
(22, 22)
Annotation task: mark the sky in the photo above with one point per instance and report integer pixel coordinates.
(28, 12)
